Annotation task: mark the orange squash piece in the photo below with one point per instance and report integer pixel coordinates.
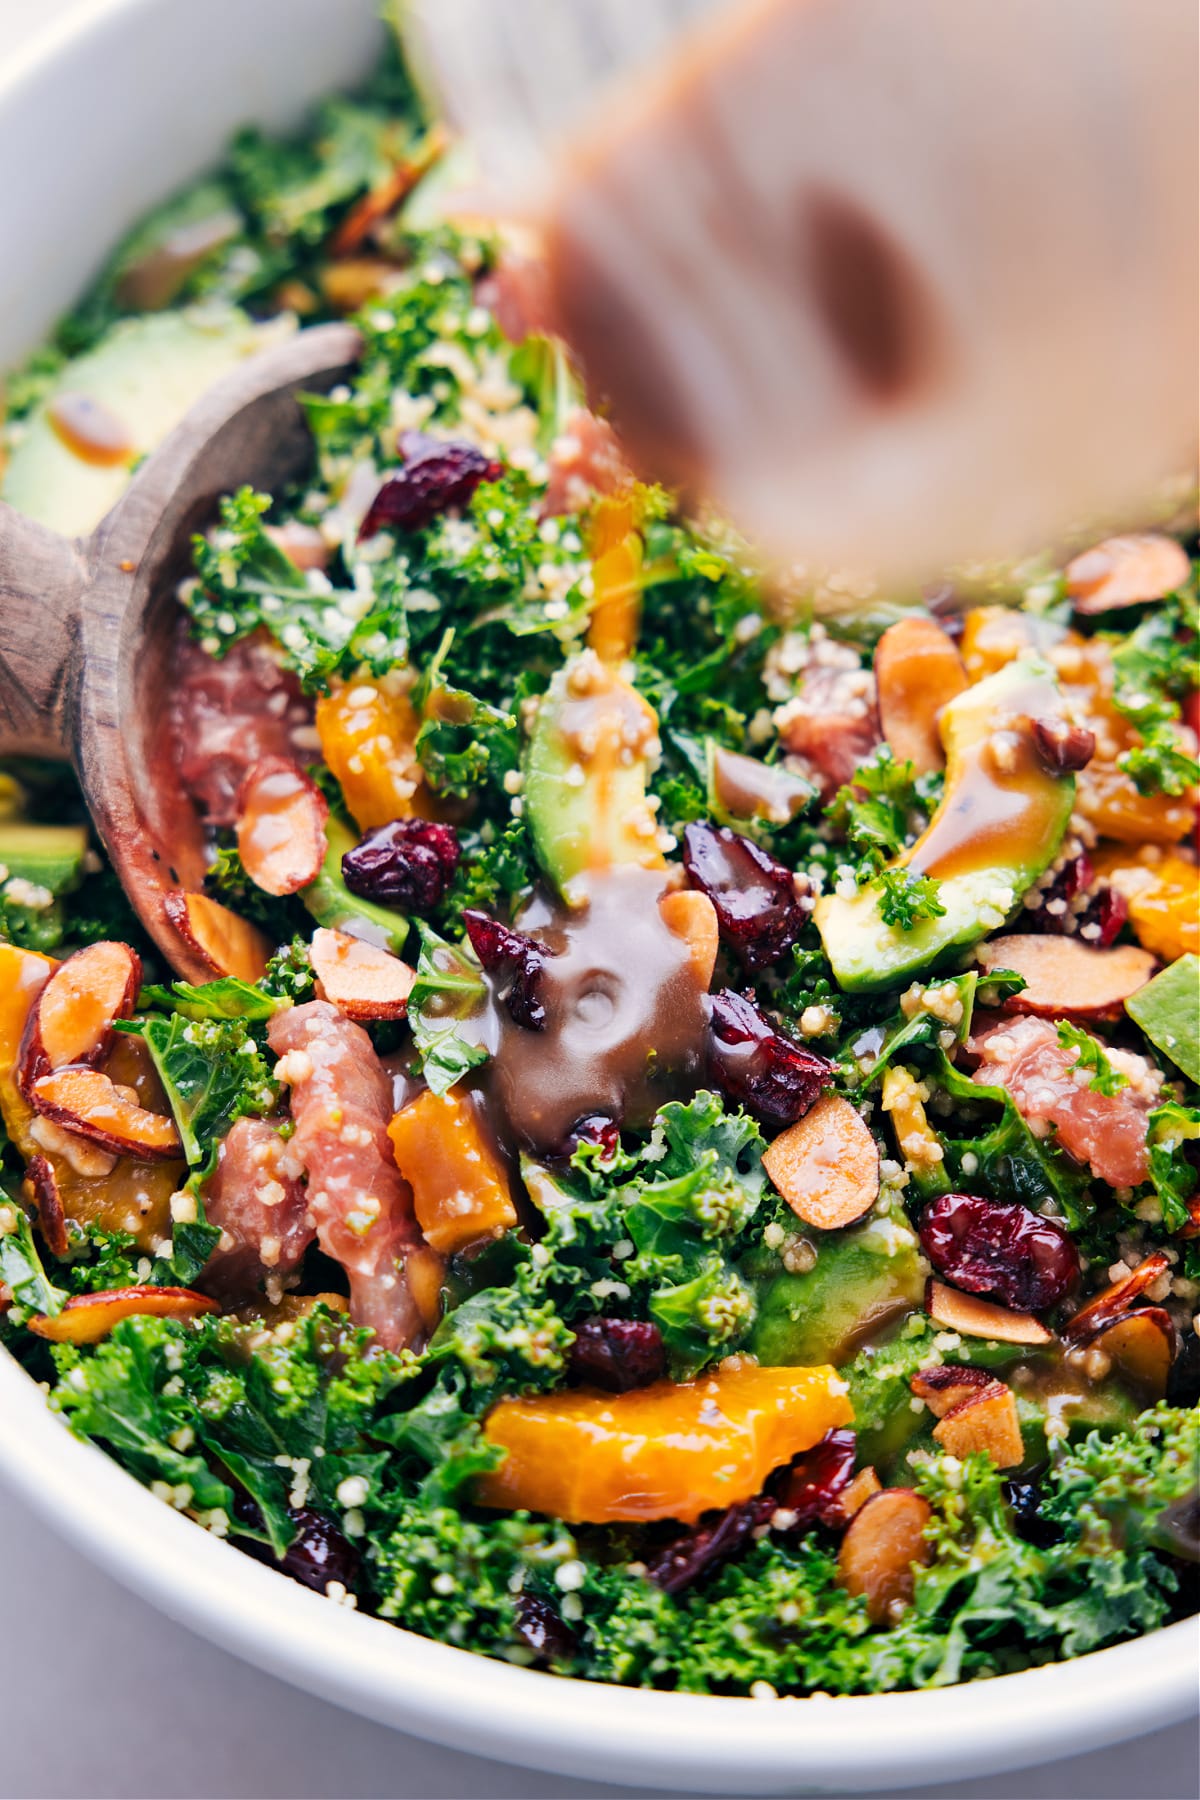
(135, 1196)
(669, 1451)
(1163, 895)
(368, 733)
(459, 1183)
(918, 670)
(616, 547)
(692, 916)
(826, 1165)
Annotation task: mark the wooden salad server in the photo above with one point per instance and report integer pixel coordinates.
(87, 627)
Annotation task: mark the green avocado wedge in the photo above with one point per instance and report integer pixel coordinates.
(862, 1281)
(585, 774)
(50, 855)
(1168, 1011)
(998, 827)
(332, 904)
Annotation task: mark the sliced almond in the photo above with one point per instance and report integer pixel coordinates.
(281, 826)
(918, 671)
(52, 1220)
(883, 1541)
(986, 1423)
(91, 1103)
(1107, 1306)
(358, 978)
(71, 1019)
(943, 1386)
(691, 915)
(826, 1165)
(864, 1486)
(225, 942)
(1141, 1348)
(1125, 571)
(86, 1318)
(1065, 978)
(982, 1318)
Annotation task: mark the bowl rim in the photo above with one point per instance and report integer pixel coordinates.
(570, 1727)
(492, 1708)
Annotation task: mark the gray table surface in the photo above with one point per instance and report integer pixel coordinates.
(100, 1696)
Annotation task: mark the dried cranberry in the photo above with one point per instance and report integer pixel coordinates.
(617, 1354)
(985, 1247)
(318, 1554)
(753, 895)
(511, 956)
(1107, 911)
(700, 1551)
(595, 1128)
(1025, 1498)
(546, 1634)
(758, 1066)
(435, 477)
(408, 863)
(814, 1484)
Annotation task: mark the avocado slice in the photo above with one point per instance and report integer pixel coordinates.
(861, 1282)
(50, 855)
(332, 904)
(139, 381)
(998, 826)
(585, 774)
(1168, 1011)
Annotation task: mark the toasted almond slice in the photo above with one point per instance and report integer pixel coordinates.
(882, 1542)
(1141, 1347)
(281, 826)
(358, 978)
(52, 1220)
(864, 1486)
(225, 942)
(1067, 979)
(918, 671)
(826, 1165)
(987, 1422)
(982, 1318)
(1123, 571)
(91, 1103)
(692, 916)
(1107, 1306)
(943, 1386)
(71, 1020)
(86, 1318)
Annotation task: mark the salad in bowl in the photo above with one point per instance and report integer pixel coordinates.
(686, 1171)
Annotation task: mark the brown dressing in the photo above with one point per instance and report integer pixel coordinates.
(90, 430)
(626, 1015)
(995, 812)
(747, 788)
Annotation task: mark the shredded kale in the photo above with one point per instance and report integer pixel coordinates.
(213, 1072)
(449, 988)
(883, 809)
(1104, 1078)
(1170, 1131)
(1153, 669)
(906, 899)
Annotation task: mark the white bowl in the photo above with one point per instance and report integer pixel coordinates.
(102, 119)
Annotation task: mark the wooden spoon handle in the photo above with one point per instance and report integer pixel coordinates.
(41, 584)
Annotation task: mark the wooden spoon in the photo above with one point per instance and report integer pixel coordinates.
(86, 626)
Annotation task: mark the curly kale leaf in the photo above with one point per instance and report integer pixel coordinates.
(21, 1268)
(245, 582)
(213, 1072)
(906, 898)
(449, 989)
(884, 808)
(1170, 1130)
(1104, 1078)
(1153, 669)
(1009, 1162)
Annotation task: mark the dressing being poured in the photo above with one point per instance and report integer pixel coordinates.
(625, 1013)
